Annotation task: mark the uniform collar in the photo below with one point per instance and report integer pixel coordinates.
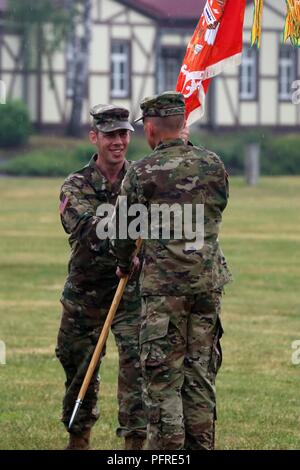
(99, 181)
(169, 143)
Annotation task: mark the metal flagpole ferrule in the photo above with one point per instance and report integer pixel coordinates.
(78, 404)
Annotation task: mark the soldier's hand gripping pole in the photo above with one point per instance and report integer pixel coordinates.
(102, 339)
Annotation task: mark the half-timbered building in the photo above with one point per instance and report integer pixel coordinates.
(137, 49)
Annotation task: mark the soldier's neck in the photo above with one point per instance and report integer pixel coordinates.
(111, 172)
(166, 136)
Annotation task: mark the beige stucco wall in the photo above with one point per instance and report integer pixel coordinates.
(14, 45)
(180, 40)
(17, 85)
(137, 18)
(111, 8)
(58, 62)
(287, 113)
(269, 52)
(50, 113)
(141, 36)
(224, 116)
(270, 18)
(266, 111)
(145, 41)
(248, 113)
(268, 108)
(99, 59)
(99, 90)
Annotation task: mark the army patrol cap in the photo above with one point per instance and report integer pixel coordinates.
(110, 118)
(169, 103)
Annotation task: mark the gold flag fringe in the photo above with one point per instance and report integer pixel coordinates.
(257, 23)
(292, 22)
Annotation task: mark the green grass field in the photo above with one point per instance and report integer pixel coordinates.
(258, 386)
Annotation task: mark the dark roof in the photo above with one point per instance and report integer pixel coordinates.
(168, 10)
(160, 10)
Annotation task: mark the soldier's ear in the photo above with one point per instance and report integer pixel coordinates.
(93, 136)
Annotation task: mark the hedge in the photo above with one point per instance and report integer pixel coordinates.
(15, 127)
(280, 155)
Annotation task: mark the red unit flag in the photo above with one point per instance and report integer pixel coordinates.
(217, 42)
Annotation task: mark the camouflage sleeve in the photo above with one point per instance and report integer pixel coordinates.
(219, 184)
(124, 248)
(227, 185)
(224, 188)
(78, 215)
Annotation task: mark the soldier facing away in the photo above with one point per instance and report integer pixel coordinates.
(181, 284)
(91, 284)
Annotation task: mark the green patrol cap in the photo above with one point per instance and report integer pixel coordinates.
(166, 104)
(110, 118)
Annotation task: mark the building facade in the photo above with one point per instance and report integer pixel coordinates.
(137, 50)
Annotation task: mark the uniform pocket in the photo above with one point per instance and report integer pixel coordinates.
(153, 340)
(154, 324)
(221, 272)
(216, 355)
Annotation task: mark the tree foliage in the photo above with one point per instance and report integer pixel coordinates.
(48, 26)
(52, 16)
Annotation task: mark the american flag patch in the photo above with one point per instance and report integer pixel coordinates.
(63, 205)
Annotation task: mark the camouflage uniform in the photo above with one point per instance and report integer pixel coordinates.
(181, 289)
(86, 298)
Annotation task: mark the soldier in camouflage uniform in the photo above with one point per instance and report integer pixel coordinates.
(181, 283)
(91, 284)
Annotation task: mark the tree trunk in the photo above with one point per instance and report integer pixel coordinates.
(78, 67)
(71, 50)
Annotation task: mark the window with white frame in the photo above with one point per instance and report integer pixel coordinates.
(120, 69)
(287, 71)
(248, 74)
